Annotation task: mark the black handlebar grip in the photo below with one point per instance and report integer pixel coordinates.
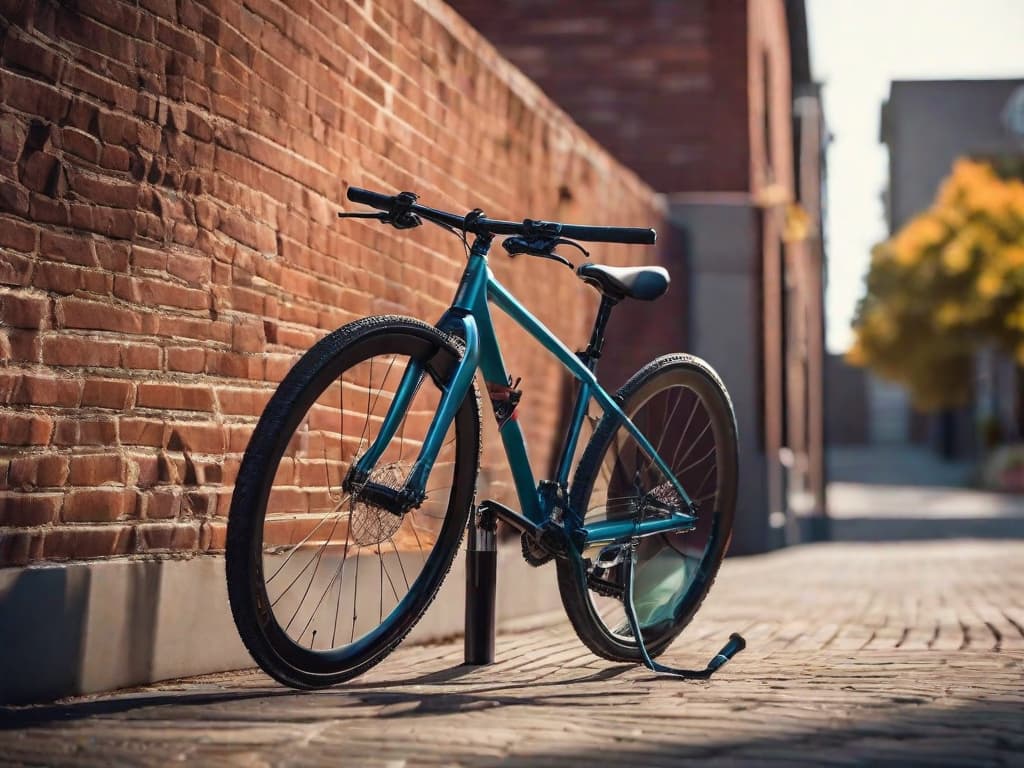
(372, 199)
(626, 235)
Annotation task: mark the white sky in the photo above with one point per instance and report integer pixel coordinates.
(857, 48)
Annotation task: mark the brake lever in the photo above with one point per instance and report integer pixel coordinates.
(400, 216)
(541, 247)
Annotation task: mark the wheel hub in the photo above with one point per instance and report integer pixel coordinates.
(372, 524)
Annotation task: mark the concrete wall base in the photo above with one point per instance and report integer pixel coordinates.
(96, 626)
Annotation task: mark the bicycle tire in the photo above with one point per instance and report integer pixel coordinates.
(278, 654)
(656, 378)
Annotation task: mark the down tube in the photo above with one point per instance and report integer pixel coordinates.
(508, 304)
(493, 368)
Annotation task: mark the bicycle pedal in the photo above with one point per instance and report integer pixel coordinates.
(533, 553)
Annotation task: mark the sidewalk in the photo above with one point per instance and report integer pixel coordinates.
(907, 493)
(858, 653)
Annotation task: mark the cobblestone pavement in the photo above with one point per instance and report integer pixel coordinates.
(858, 654)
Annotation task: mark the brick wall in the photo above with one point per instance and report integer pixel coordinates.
(169, 174)
(663, 85)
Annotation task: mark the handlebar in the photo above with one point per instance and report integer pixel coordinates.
(481, 225)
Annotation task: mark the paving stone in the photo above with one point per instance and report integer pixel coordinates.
(879, 654)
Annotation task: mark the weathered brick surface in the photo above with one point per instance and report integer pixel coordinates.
(868, 654)
(678, 78)
(169, 175)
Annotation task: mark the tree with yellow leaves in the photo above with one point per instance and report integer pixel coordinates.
(950, 282)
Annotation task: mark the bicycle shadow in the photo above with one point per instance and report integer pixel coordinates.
(394, 703)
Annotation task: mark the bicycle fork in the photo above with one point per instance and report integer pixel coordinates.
(412, 493)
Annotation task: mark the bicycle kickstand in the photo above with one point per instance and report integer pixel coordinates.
(735, 645)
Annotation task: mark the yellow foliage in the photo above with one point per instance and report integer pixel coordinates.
(989, 283)
(948, 282)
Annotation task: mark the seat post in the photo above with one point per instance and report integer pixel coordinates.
(592, 353)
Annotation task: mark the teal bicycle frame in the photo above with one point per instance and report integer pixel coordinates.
(470, 318)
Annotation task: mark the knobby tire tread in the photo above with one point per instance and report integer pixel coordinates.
(574, 594)
(241, 524)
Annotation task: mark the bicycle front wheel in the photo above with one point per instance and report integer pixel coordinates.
(323, 585)
(682, 408)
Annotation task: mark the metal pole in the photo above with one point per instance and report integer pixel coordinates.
(481, 583)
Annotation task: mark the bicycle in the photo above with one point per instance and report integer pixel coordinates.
(326, 486)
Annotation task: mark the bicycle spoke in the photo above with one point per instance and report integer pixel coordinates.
(304, 540)
(319, 555)
(686, 429)
(398, 554)
(341, 583)
(355, 600)
(699, 461)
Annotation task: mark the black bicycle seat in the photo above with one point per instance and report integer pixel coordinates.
(643, 283)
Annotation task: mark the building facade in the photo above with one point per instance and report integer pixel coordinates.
(713, 104)
(926, 125)
(169, 177)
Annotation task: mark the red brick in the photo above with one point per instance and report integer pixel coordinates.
(13, 197)
(157, 292)
(73, 249)
(85, 543)
(40, 471)
(201, 438)
(36, 389)
(81, 351)
(164, 536)
(112, 255)
(27, 509)
(98, 505)
(186, 359)
(234, 365)
(97, 431)
(42, 172)
(141, 431)
(140, 357)
(35, 98)
(66, 279)
(80, 143)
(44, 208)
(14, 269)
(243, 402)
(192, 269)
(117, 394)
(213, 536)
(174, 395)
(103, 190)
(20, 547)
(25, 429)
(103, 316)
(23, 310)
(97, 469)
(145, 470)
(199, 504)
(17, 235)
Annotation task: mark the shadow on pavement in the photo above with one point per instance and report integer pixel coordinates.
(394, 703)
(925, 733)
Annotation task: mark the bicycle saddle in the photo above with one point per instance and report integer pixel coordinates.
(643, 283)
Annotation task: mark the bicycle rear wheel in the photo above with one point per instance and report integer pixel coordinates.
(681, 406)
(323, 585)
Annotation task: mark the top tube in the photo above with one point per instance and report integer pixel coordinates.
(481, 225)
